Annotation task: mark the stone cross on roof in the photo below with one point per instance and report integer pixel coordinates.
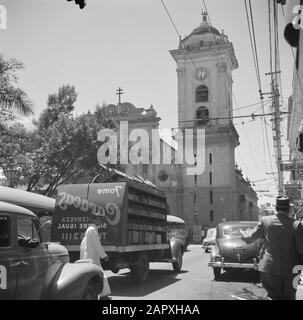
(119, 93)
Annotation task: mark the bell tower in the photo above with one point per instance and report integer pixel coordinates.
(205, 61)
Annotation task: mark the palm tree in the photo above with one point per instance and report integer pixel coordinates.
(12, 99)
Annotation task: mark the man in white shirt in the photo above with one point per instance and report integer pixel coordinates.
(91, 248)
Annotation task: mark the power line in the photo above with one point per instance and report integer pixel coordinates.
(229, 81)
(270, 37)
(171, 19)
(250, 105)
(262, 106)
(237, 117)
(251, 29)
(252, 35)
(263, 180)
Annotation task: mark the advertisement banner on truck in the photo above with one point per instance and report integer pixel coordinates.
(75, 204)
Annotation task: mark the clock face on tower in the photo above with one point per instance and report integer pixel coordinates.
(201, 74)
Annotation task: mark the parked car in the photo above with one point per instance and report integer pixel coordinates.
(210, 240)
(31, 268)
(230, 251)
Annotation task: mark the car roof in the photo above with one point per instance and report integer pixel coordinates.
(12, 208)
(27, 199)
(237, 223)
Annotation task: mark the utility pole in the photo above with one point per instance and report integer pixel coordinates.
(276, 126)
(277, 136)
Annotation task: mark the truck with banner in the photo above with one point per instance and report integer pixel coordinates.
(133, 231)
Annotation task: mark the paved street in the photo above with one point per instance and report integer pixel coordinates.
(195, 282)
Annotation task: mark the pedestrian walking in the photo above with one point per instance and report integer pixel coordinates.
(283, 249)
(91, 248)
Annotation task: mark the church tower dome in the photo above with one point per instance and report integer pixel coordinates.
(203, 35)
(205, 27)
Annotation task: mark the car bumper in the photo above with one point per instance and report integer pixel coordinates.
(222, 264)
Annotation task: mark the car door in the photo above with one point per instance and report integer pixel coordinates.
(34, 260)
(9, 258)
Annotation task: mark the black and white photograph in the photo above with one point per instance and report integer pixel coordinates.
(151, 151)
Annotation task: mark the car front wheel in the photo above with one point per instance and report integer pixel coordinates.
(177, 265)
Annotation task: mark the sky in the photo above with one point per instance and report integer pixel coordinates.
(126, 43)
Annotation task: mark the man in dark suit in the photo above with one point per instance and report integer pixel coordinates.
(282, 250)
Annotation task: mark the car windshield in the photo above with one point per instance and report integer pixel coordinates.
(236, 231)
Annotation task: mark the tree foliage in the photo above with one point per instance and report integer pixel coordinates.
(12, 99)
(58, 104)
(62, 147)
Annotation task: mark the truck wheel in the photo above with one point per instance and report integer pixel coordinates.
(90, 292)
(140, 270)
(217, 273)
(177, 265)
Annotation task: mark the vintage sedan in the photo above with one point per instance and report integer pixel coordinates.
(210, 240)
(32, 268)
(231, 251)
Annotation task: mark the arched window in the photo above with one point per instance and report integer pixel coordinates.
(202, 94)
(202, 115)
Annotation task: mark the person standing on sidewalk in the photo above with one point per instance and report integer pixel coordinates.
(91, 248)
(283, 250)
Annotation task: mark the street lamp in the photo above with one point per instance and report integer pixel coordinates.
(10, 175)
